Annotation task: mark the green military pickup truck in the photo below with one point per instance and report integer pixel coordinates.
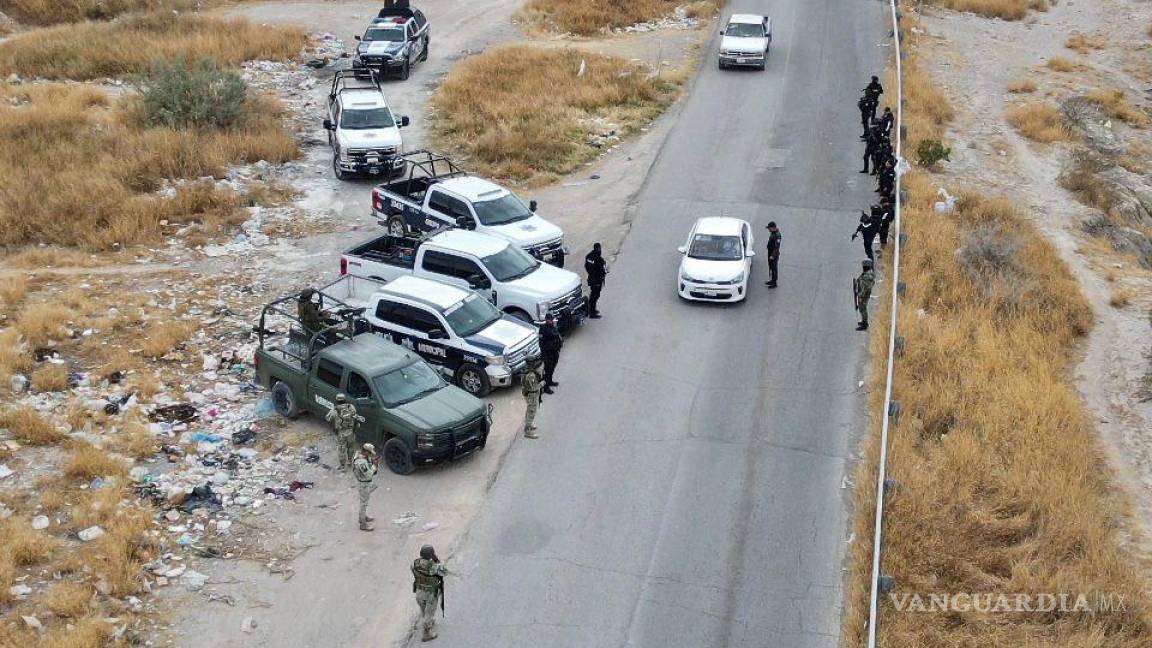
(409, 410)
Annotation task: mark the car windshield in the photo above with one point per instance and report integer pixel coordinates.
(366, 119)
(744, 30)
(716, 248)
(407, 383)
(471, 316)
(510, 263)
(394, 34)
(505, 209)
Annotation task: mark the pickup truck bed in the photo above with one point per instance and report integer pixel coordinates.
(411, 189)
(393, 250)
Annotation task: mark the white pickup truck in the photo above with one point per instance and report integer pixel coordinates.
(513, 281)
(435, 193)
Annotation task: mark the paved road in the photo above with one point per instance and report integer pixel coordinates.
(686, 491)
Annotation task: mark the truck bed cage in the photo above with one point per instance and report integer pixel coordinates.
(341, 78)
(425, 168)
(394, 8)
(302, 345)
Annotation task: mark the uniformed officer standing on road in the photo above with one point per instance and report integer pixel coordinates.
(864, 285)
(868, 226)
(364, 469)
(428, 585)
(344, 417)
(774, 239)
(530, 385)
(597, 269)
(872, 92)
(550, 345)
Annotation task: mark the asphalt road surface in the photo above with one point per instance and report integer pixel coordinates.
(687, 487)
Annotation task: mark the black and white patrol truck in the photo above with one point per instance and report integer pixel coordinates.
(455, 330)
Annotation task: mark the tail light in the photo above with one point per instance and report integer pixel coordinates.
(377, 204)
(256, 361)
(343, 266)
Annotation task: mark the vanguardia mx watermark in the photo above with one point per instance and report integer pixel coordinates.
(985, 602)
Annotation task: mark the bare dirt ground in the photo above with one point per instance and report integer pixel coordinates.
(974, 60)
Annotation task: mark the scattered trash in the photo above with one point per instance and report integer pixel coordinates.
(264, 409)
(181, 413)
(214, 597)
(248, 624)
(193, 581)
(32, 622)
(428, 526)
(19, 383)
(206, 438)
(40, 522)
(407, 518)
(5, 471)
(279, 492)
(297, 485)
(91, 533)
(20, 591)
(200, 497)
(241, 437)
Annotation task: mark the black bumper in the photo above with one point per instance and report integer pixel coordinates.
(452, 448)
(390, 167)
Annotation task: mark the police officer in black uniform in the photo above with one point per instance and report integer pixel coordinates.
(597, 269)
(868, 227)
(550, 345)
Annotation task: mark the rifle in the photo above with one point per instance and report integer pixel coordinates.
(856, 292)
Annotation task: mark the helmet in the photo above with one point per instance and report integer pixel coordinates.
(867, 264)
(306, 295)
(549, 318)
(369, 448)
(341, 398)
(427, 552)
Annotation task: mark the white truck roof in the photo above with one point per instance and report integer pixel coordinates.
(480, 245)
(751, 19)
(473, 189)
(719, 226)
(362, 98)
(432, 293)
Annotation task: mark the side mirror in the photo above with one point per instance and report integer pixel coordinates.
(404, 121)
(328, 125)
(437, 334)
(682, 249)
(356, 37)
(532, 206)
(465, 222)
(750, 253)
(477, 282)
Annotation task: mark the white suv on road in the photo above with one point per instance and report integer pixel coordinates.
(717, 260)
(745, 41)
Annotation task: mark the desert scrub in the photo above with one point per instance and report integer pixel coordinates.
(1004, 9)
(589, 17)
(1039, 122)
(51, 12)
(175, 93)
(526, 113)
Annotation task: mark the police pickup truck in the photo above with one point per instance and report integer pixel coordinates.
(363, 132)
(507, 276)
(436, 193)
(408, 409)
(398, 37)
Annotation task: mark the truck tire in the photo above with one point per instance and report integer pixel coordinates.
(398, 457)
(559, 260)
(521, 315)
(406, 70)
(284, 401)
(427, 47)
(474, 380)
(397, 227)
(336, 170)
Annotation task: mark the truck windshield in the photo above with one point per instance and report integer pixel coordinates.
(745, 30)
(716, 248)
(471, 316)
(367, 119)
(510, 263)
(394, 34)
(505, 209)
(407, 384)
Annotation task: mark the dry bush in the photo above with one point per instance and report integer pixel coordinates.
(162, 338)
(1084, 43)
(88, 462)
(24, 545)
(44, 323)
(14, 356)
(12, 292)
(1082, 178)
(135, 441)
(1120, 298)
(927, 109)
(50, 378)
(97, 507)
(129, 46)
(89, 632)
(69, 600)
(97, 164)
(1115, 105)
(1022, 86)
(1004, 9)
(1039, 122)
(119, 555)
(1060, 64)
(489, 109)
(589, 17)
(51, 12)
(7, 577)
(27, 426)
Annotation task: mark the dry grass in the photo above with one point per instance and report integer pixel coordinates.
(589, 17)
(135, 441)
(24, 545)
(1022, 86)
(14, 356)
(69, 600)
(96, 164)
(1115, 105)
(88, 462)
(12, 292)
(1002, 487)
(51, 12)
(129, 46)
(1084, 43)
(928, 109)
(489, 112)
(44, 323)
(119, 555)
(1061, 64)
(163, 337)
(50, 378)
(89, 632)
(1119, 298)
(1039, 122)
(28, 427)
(1004, 9)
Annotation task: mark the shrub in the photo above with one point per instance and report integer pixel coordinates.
(1061, 64)
(931, 151)
(27, 426)
(1022, 86)
(176, 93)
(88, 462)
(1039, 122)
(588, 17)
(50, 378)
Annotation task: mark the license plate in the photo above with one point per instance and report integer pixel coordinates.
(742, 60)
(547, 257)
(708, 293)
(373, 160)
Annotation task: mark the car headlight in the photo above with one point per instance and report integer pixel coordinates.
(684, 276)
(344, 157)
(738, 278)
(542, 310)
(425, 441)
(497, 360)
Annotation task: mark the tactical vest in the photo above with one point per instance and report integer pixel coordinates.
(422, 573)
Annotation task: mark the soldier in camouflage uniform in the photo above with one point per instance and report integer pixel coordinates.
(864, 285)
(531, 385)
(364, 469)
(345, 418)
(428, 585)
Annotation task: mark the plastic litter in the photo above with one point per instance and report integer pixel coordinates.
(201, 497)
(32, 622)
(248, 624)
(5, 471)
(193, 581)
(297, 485)
(264, 409)
(19, 383)
(182, 413)
(20, 591)
(91, 533)
(243, 436)
(40, 522)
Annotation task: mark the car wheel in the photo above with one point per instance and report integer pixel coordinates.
(397, 227)
(720, 64)
(427, 46)
(398, 457)
(521, 315)
(284, 401)
(558, 260)
(473, 380)
(340, 174)
(406, 70)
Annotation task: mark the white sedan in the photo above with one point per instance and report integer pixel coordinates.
(717, 260)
